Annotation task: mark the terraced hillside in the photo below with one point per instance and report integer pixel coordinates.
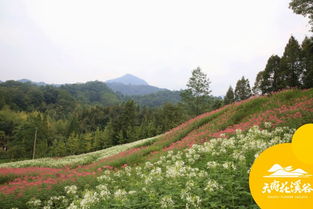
(203, 163)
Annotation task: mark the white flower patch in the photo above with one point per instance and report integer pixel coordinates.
(194, 201)
(167, 202)
(104, 192)
(212, 164)
(81, 159)
(72, 206)
(71, 189)
(213, 186)
(120, 194)
(239, 155)
(267, 124)
(229, 165)
(34, 203)
(148, 165)
(104, 178)
(89, 198)
(156, 171)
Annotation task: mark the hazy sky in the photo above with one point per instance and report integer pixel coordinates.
(161, 41)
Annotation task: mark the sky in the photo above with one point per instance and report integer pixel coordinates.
(160, 41)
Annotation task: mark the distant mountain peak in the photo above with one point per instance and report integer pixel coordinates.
(129, 79)
(24, 80)
(32, 82)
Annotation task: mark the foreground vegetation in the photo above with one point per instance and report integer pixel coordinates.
(76, 160)
(289, 108)
(190, 178)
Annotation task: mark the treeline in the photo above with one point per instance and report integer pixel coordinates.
(84, 129)
(157, 99)
(55, 100)
(293, 70)
(78, 118)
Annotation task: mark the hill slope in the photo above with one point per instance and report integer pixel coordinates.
(130, 89)
(27, 96)
(129, 79)
(92, 92)
(161, 172)
(159, 98)
(130, 85)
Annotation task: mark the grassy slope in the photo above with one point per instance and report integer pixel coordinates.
(288, 108)
(291, 108)
(77, 160)
(280, 109)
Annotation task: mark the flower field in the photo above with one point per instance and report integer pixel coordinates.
(37, 172)
(192, 178)
(76, 160)
(203, 163)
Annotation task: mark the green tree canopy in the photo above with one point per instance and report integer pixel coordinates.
(303, 7)
(256, 90)
(230, 96)
(272, 77)
(242, 90)
(307, 57)
(291, 64)
(198, 91)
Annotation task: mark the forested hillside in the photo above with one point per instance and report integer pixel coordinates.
(158, 98)
(73, 119)
(27, 96)
(133, 90)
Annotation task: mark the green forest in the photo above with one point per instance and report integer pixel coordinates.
(79, 118)
(41, 121)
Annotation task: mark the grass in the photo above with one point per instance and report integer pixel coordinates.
(78, 160)
(197, 129)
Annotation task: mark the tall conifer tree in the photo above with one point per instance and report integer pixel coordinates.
(307, 57)
(291, 64)
(229, 97)
(242, 90)
(273, 77)
(256, 90)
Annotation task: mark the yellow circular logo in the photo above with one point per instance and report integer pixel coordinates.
(282, 175)
(302, 144)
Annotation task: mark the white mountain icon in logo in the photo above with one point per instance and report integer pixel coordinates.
(287, 172)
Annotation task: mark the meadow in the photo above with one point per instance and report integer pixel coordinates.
(203, 163)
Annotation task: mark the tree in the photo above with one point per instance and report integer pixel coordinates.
(198, 91)
(303, 7)
(170, 116)
(108, 136)
(24, 135)
(291, 64)
(73, 144)
(273, 78)
(86, 142)
(307, 57)
(242, 90)
(127, 121)
(58, 148)
(256, 90)
(217, 102)
(230, 96)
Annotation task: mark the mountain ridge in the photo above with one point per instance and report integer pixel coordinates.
(128, 79)
(130, 85)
